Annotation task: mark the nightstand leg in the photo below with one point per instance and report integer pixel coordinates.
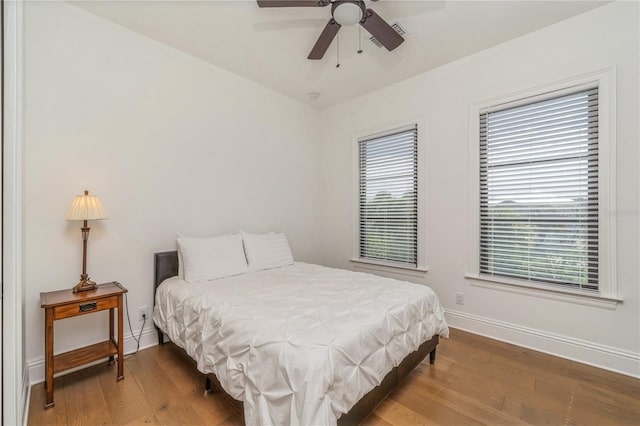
(48, 359)
(120, 375)
(111, 358)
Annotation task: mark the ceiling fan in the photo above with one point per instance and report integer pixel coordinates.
(343, 12)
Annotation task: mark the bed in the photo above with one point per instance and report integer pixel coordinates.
(301, 344)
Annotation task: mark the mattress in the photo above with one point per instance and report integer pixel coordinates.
(299, 344)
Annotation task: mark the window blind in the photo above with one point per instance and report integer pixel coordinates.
(389, 197)
(539, 191)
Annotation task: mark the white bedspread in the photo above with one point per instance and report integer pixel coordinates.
(299, 344)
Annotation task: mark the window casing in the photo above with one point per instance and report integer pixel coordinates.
(606, 297)
(388, 197)
(539, 190)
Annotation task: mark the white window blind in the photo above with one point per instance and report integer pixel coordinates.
(388, 202)
(539, 191)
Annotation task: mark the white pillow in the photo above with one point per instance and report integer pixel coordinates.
(266, 251)
(180, 262)
(212, 258)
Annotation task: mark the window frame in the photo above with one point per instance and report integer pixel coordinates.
(607, 295)
(379, 265)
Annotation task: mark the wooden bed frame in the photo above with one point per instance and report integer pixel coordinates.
(166, 266)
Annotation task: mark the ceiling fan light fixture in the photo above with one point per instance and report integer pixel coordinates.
(347, 13)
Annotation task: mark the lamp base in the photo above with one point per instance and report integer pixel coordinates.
(85, 284)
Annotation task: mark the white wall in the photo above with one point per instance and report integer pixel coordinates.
(169, 143)
(600, 38)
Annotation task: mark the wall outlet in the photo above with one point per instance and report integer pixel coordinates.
(143, 311)
(459, 298)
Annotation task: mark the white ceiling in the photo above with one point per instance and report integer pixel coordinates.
(270, 46)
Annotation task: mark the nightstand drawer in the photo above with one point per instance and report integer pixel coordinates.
(81, 308)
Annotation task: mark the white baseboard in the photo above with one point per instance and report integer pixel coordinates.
(148, 338)
(597, 355)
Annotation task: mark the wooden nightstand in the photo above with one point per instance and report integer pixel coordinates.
(66, 304)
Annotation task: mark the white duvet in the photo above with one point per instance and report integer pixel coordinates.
(301, 344)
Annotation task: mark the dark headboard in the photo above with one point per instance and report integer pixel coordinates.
(165, 265)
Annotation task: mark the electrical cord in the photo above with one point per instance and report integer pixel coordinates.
(144, 321)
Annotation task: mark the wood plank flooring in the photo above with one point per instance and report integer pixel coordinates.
(475, 381)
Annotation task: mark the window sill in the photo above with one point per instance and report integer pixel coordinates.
(544, 291)
(370, 265)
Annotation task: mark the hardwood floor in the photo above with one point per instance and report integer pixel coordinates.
(475, 380)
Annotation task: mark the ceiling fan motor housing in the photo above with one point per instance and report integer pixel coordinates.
(348, 12)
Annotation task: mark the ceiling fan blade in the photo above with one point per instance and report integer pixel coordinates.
(379, 28)
(293, 3)
(325, 39)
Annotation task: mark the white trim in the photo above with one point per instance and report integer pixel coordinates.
(148, 339)
(12, 324)
(543, 291)
(555, 91)
(591, 353)
(605, 80)
(365, 134)
(387, 132)
(388, 267)
(607, 178)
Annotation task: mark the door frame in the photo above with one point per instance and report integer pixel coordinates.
(14, 379)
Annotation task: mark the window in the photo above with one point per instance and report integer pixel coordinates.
(388, 197)
(539, 190)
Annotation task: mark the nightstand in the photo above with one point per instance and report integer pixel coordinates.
(66, 304)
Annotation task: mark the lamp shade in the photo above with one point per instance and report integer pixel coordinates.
(86, 207)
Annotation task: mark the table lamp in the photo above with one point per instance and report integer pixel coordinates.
(85, 207)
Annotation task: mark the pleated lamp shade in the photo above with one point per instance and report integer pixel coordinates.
(86, 207)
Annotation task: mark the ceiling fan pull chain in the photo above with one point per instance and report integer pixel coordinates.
(359, 39)
(338, 51)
